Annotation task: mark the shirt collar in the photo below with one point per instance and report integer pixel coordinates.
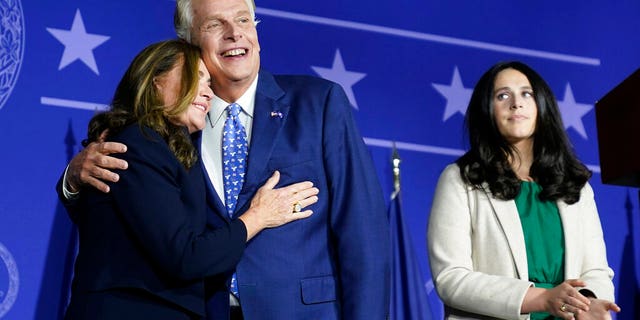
(247, 102)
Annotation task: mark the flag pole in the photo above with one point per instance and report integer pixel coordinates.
(395, 162)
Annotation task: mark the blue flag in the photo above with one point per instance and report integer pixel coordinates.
(408, 294)
(55, 287)
(629, 288)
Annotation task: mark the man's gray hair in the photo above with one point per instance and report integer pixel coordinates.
(183, 17)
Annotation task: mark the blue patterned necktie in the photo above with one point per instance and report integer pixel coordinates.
(234, 158)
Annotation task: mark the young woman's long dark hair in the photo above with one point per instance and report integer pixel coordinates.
(555, 166)
(137, 99)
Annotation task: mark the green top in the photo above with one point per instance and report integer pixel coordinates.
(543, 238)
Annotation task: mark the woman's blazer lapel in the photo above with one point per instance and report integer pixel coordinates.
(507, 216)
(570, 228)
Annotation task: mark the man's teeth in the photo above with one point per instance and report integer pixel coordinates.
(234, 52)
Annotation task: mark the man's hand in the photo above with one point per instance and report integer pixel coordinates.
(93, 164)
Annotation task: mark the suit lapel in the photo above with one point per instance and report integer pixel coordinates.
(213, 201)
(507, 214)
(268, 118)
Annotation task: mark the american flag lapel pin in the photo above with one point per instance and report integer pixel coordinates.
(277, 114)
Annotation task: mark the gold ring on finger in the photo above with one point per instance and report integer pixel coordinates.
(563, 308)
(297, 207)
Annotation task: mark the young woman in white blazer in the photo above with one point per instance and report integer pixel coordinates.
(514, 231)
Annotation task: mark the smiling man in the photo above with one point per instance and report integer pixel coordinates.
(333, 265)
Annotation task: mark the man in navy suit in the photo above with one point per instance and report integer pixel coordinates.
(333, 265)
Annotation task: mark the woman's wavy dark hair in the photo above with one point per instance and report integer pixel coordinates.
(555, 166)
(137, 99)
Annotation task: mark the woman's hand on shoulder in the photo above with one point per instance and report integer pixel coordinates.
(271, 207)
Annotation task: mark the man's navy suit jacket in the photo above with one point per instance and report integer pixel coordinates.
(335, 264)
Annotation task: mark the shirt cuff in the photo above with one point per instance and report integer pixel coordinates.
(65, 191)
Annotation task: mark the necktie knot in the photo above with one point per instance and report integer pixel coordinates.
(234, 110)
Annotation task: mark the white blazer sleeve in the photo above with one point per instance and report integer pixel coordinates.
(454, 245)
(592, 266)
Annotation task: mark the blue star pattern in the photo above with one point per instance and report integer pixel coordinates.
(572, 112)
(234, 157)
(456, 94)
(337, 73)
(78, 44)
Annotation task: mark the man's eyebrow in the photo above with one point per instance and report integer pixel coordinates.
(218, 17)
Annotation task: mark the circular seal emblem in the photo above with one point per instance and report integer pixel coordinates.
(11, 46)
(9, 292)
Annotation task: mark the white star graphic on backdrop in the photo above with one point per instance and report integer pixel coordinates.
(78, 44)
(339, 74)
(572, 112)
(456, 94)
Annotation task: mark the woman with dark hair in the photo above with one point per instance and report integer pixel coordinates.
(145, 247)
(514, 231)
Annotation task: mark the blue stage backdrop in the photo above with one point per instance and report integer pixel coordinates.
(408, 67)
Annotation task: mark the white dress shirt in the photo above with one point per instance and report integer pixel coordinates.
(211, 148)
